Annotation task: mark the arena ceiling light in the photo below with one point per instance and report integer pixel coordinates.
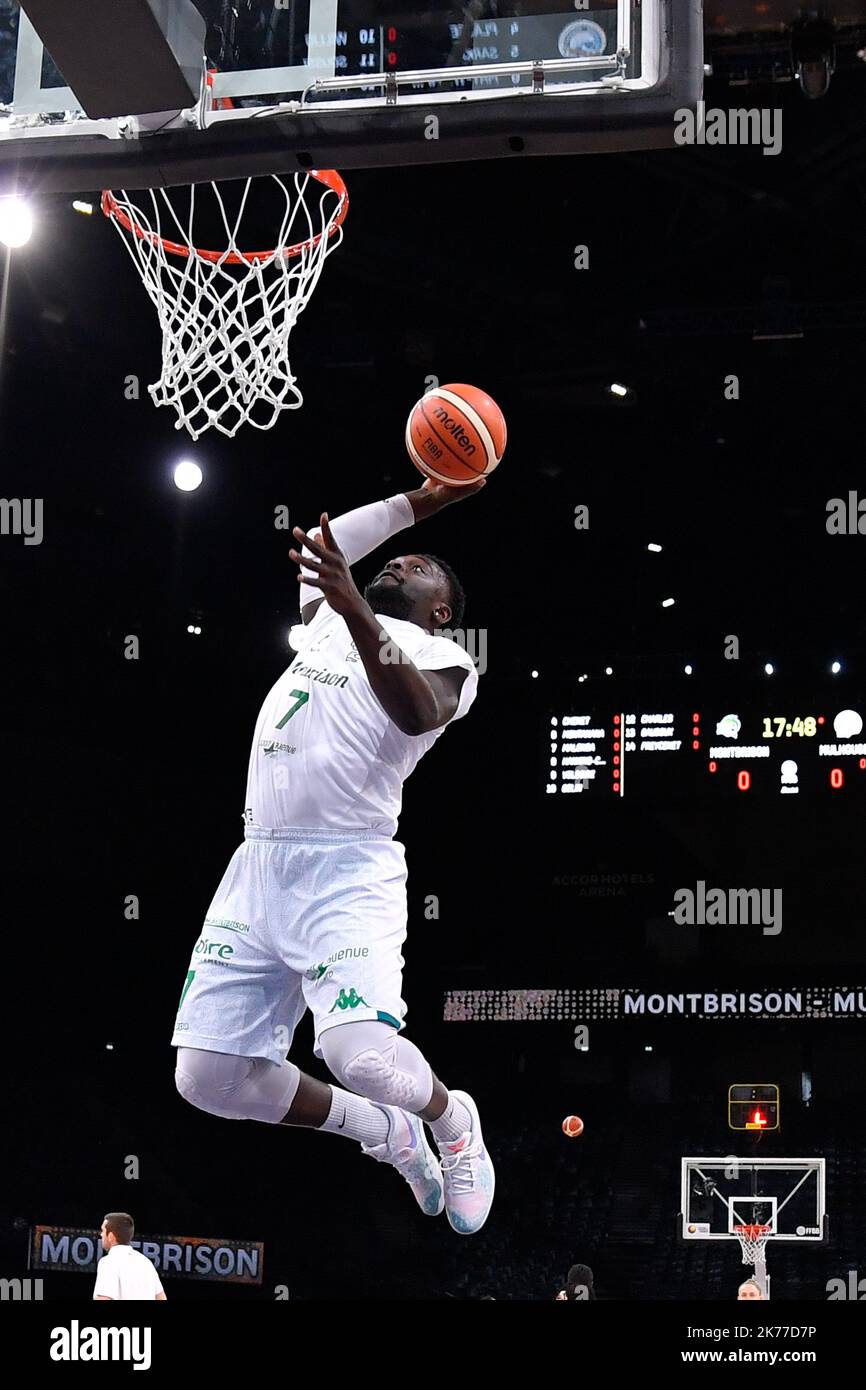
(188, 476)
(16, 222)
(836, 667)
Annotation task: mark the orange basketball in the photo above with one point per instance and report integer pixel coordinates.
(572, 1126)
(456, 434)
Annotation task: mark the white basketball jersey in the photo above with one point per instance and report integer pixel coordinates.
(325, 754)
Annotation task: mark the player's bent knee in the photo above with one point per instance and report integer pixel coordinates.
(370, 1059)
(211, 1081)
(236, 1088)
(374, 1075)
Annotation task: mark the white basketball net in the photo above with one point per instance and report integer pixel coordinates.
(753, 1243)
(226, 317)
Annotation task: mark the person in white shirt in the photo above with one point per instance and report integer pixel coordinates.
(311, 912)
(124, 1273)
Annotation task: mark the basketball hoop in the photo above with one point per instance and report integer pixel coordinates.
(753, 1242)
(226, 316)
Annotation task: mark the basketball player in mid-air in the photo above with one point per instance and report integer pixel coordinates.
(311, 911)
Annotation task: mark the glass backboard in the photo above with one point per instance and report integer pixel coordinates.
(349, 83)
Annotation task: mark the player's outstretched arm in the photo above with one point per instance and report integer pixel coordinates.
(417, 701)
(363, 530)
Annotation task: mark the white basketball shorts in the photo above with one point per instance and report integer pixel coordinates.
(303, 919)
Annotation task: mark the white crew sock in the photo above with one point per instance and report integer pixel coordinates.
(454, 1121)
(357, 1118)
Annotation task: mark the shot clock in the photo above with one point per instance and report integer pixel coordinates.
(753, 1106)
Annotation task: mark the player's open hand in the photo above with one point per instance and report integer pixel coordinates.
(331, 573)
(431, 497)
(444, 495)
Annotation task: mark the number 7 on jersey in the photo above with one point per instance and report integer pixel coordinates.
(302, 698)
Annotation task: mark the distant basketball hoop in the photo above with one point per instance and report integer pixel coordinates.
(227, 315)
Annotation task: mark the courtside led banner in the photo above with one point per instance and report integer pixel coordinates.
(72, 1250)
(621, 1003)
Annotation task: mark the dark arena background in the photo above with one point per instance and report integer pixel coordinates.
(622, 749)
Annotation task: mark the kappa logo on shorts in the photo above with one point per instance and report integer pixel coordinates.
(348, 999)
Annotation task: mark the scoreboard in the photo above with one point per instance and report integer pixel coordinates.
(780, 748)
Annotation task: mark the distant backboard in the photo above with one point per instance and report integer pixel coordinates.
(786, 1194)
(354, 83)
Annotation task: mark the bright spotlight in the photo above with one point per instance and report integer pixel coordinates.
(688, 670)
(534, 675)
(656, 549)
(16, 222)
(608, 670)
(836, 667)
(769, 669)
(187, 476)
(616, 388)
(668, 602)
(80, 206)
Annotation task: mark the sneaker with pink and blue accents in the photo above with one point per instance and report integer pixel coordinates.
(468, 1175)
(407, 1150)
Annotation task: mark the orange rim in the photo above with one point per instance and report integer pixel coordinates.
(329, 177)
